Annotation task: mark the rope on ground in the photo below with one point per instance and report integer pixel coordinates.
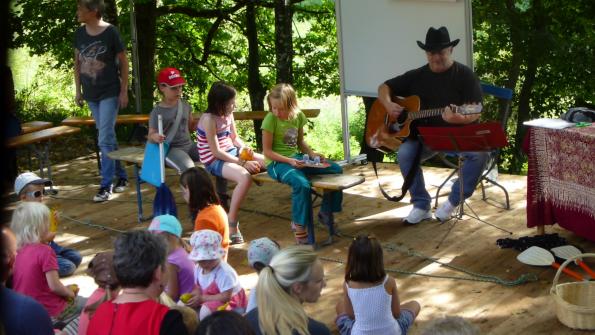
(111, 200)
(472, 276)
(92, 225)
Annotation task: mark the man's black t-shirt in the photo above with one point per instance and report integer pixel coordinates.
(458, 85)
(99, 71)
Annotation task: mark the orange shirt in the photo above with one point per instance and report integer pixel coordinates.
(213, 217)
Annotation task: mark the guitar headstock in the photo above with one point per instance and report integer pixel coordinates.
(469, 109)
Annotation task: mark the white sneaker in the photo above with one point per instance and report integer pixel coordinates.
(417, 215)
(444, 212)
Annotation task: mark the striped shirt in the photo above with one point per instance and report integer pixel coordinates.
(223, 128)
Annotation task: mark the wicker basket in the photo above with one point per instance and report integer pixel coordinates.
(575, 302)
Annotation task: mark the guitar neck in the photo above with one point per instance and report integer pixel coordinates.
(426, 113)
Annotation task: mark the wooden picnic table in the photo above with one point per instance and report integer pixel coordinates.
(144, 118)
(44, 137)
(40, 136)
(121, 119)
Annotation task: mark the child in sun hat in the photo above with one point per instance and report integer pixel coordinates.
(29, 187)
(204, 204)
(217, 283)
(180, 270)
(260, 253)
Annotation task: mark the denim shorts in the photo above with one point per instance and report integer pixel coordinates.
(405, 320)
(216, 167)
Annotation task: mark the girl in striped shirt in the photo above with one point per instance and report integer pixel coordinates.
(219, 146)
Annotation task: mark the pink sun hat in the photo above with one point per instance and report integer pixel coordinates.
(206, 245)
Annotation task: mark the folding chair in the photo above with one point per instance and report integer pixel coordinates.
(497, 102)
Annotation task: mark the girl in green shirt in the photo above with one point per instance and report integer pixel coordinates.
(284, 148)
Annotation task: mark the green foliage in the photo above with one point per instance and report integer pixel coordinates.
(543, 50)
(43, 92)
(45, 27)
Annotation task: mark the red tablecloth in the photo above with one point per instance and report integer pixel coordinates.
(561, 178)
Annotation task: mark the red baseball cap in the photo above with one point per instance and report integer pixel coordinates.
(171, 77)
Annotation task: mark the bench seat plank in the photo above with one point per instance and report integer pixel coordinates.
(40, 136)
(132, 155)
(331, 182)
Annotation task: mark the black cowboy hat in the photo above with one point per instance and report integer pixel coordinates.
(437, 39)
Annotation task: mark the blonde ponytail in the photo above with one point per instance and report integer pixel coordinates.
(279, 312)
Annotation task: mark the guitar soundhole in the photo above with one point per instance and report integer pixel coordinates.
(397, 126)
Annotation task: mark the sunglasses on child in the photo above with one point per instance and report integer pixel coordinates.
(34, 194)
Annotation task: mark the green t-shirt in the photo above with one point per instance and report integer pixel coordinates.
(285, 133)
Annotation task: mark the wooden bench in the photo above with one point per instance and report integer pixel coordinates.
(320, 183)
(135, 156)
(45, 137)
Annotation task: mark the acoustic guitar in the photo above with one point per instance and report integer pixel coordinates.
(386, 134)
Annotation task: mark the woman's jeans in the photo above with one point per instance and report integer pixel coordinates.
(105, 113)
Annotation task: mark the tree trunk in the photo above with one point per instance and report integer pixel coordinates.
(146, 19)
(283, 41)
(256, 90)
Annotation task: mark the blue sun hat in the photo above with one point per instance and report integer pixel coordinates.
(166, 224)
(262, 251)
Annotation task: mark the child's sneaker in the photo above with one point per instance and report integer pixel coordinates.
(104, 194)
(121, 185)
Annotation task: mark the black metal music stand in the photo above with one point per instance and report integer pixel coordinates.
(487, 136)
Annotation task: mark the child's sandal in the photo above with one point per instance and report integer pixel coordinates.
(236, 238)
(300, 234)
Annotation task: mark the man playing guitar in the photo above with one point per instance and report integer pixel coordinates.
(440, 83)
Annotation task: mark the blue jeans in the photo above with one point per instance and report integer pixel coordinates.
(473, 166)
(301, 202)
(68, 259)
(216, 167)
(105, 113)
